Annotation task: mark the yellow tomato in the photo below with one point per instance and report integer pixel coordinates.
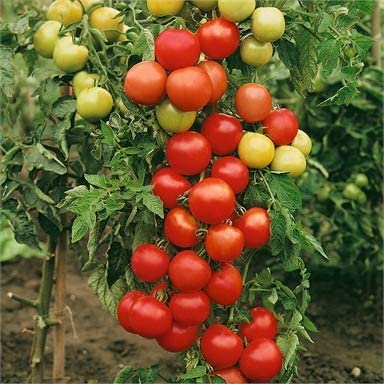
(236, 10)
(302, 142)
(104, 19)
(68, 56)
(255, 52)
(94, 103)
(268, 24)
(164, 7)
(83, 80)
(46, 37)
(88, 3)
(289, 159)
(205, 5)
(65, 11)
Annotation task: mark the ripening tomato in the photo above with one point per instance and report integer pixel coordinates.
(211, 200)
(256, 150)
(124, 306)
(46, 37)
(188, 153)
(190, 308)
(288, 159)
(281, 126)
(218, 77)
(69, 57)
(352, 192)
(65, 11)
(225, 286)
(105, 20)
(255, 52)
(224, 242)
(220, 346)
(94, 103)
(189, 88)
(164, 7)
(231, 375)
(145, 83)
(361, 180)
(236, 10)
(83, 80)
(205, 5)
(177, 48)
(219, 38)
(256, 227)
(89, 3)
(253, 102)
(302, 142)
(233, 171)
(179, 337)
(261, 360)
(149, 317)
(268, 24)
(223, 132)
(169, 185)
(149, 262)
(180, 228)
(263, 324)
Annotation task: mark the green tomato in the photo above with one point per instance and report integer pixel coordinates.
(255, 52)
(362, 198)
(68, 56)
(104, 19)
(83, 80)
(236, 10)
(268, 24)
(352, 191)
(319, 85)
(65, 11)
(361, 180)
(94, 103)
(171, 119)
(205, 5)
(164, 7)
(288, 159)
(46, 37)
(323, 194)
(302, 142)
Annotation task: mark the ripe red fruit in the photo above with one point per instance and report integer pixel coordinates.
(124, 306)
(231, 375)
(179, 337)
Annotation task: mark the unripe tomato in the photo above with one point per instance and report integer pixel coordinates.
(255, 52)
(361, 180)
(94, 103)
(69, 57)
(288, 159)
(164, 7)
(362, 198)
(302, 142)
(256, 150)
(123, 34)
(65, 11)
(319, 85)
(236, 10)
(205, 5)
(219, 38)
(179, 337)
(171, 119)
(268, 24)
(281, 126)
(352, 191)
(46, 37)
(253, 102)
(218, 77)
(89, 3)
(323, 194)
(145, 83)
(83, 80)
(104, 19)
(231, 375)
(124, 306)
(177, 48)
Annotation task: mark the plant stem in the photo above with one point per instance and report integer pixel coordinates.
(376, 34)
(21, 299)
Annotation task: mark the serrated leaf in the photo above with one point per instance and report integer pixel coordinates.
(21, 26)
(109, 137)
(144, 45)
(79, 228)
(288, 345)
(343, 96)
(97, 180)
(365, 6)
(273, 296)
(124, 376)
(362, 42)
(287, 53)
(64, 108)
(144, 233)
(194, 373)
(278, 233)
(117, 262)
(295, 320)
(39, 157)
(328, 56)
(256, 196)
(154, 204)
(312, 242)
(217, 380)
(264, 278)
(7, 71)
(309, 324)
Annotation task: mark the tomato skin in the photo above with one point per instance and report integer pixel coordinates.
(224, 242)
(219, 38)
(149, 317)
(236, 11)
(104, 19)
(281, 125)
(190, 308)
(225, 286)
(46, 37)
(231, 375)
(302, 142)
(149, 262)
(219, 79)
(83, 80)
(256, 227)
(169, 185)
(65, 11)
(179, 337)
(223, 132)
(361, 180)
(253, 102)
(220, 346)
(233, 171)
(177, 48)
(288, 159)
(211, 200)
(189, 88)
(263, 324)
(188, 153)
(145, 83)
(352, 192)
(261, 360)
(180, 228)
(88, 3)
(205, 5)
(94, 103)
(255, 52)
(164, 7)
(124, 306)
(268, 24)
(69, 57)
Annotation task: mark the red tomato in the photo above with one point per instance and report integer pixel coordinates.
(179, 337)
(149, 317)
(180, 228)
(169, 185)
(219, 38)
(189, 88)
(211, 200)
(233, 171)
(220, 346)
(124, 306)
(177, 48)
(261, 360)
(263, 324)
(218, 78)
(225, 286)
(281, 125)
(190, 308)
(145, 83)
(149, 262)
(231, 375)
(188, 153)
(223, 133)
(253, 102)
(256, 227)
(223, 242)
(189, 272)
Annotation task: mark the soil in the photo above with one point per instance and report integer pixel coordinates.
(348, 348)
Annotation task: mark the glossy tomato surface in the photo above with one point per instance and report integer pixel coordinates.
(69, 57)
(231, 375)
(65, 11)
(236, 10)
(164, 7)
(302, 142)
(46, 37)
(218, 76)
(179, 337)
(83, 80)
(94, 103)
(268, 24)
(289, 159)
(255, 52)
(105, 19)
(125, 305)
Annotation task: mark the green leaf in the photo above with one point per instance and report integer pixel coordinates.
(295, 320)
(217, 380)
(79, 228)
(109, 137)
(273, 297)
(194, 373)
(100, 181)
(343, 96)
(329, 52)
(256, 195)
(38, 157)
(144, 232)
(365, 6)
(144, 45)
(362, 42)
(278, 233)
(124, 376)
(309, 324)
(154, 204)
(64, 108)
(117, 262)
(288, 345)
(21, 26)
(312, 243)
(7, 71)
